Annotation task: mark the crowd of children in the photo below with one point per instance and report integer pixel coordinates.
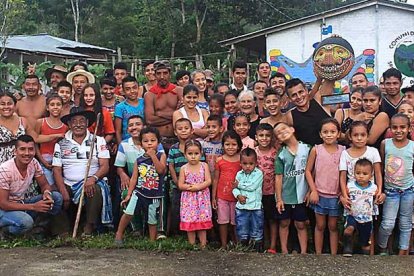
(239, 174)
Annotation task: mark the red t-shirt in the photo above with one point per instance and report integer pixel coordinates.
(228, 171)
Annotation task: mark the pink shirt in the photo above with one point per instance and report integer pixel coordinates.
(327, 171)
(248, 142)
(12, 181)
(266, 163)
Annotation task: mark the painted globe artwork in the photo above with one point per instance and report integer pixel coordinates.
(333, 58)
(404, 58)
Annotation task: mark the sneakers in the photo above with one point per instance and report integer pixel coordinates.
(161, 236)
(383, 251)
(348, 248)
(258, 246)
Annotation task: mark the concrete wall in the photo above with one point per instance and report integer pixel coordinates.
(372, 28)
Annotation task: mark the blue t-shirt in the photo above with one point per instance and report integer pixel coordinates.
(124, 110)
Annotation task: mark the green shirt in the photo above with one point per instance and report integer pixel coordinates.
(292, 167)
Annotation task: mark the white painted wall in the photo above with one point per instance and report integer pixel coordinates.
(368, 28)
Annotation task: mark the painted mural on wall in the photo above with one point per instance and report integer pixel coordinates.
(403, 47)
(364, 63)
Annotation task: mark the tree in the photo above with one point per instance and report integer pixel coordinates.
(10, 11)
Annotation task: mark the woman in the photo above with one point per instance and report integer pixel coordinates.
(198, 78)
(377, 121)
(11, 126)
(109, 98)
(191, 111)
(345, 116)
(91, 99)
(247, 105)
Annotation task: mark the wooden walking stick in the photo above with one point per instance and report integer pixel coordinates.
(88, 166)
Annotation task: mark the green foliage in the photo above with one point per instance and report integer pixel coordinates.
(17, 74)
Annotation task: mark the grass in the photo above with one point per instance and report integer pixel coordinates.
(102, 241)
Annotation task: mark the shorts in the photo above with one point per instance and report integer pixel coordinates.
(226, 212)
(327, 206)
(269, 207)
(296, 212)
(364, 229)
(151, 207)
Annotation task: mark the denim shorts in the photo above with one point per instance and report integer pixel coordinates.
(327, 206)
(296, 212)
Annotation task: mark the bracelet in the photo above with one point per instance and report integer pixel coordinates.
(47, 192)
(96, 177)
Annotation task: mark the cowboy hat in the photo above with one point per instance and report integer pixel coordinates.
(88, 75)
(79, 111)
(56, 68)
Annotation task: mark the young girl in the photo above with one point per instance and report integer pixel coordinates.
(195, 207)
(322, 174)
(91, 99)
(398, 154)
(191, 111)
(241, 127)
(358, 135)
(224, 202)
(216, 103)
(230, 103)
(146, 187)
(407, 109)
(51, 129)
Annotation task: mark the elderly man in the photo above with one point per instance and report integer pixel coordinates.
(69, 167)
(17, 213)
(79, 79)
(54, 75)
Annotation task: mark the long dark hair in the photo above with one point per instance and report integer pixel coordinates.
(97, 107)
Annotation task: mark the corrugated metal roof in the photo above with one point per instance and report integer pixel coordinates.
(44, 43)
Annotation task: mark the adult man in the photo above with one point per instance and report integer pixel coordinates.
(259, 88)
(33, 106)
(209, 81)
(69, 167)
(278, 82)
(79, 79)
(308, 113)
(161, 101)
(55, 75)
(263, 73)
(359, 80)
(239, 74)
(392, 85)
(120, 72)
(17, 213)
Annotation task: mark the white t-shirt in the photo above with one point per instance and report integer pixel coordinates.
(362, 198)
(347, 163)
(73, 157)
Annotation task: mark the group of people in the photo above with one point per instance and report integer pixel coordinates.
(250, 164)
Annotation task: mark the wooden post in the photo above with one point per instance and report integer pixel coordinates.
(119, 54)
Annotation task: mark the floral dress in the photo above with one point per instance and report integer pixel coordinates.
(8, 140)
(195, 207)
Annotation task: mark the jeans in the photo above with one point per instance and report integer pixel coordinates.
(249, 224)
(398, 202)
(19, 222)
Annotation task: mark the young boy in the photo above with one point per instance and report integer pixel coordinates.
(176, 159)
(64, 90)
(248, 191)
(272, 104)
(212, 146)
(146, 186)
(131, 106)
(359, 215)
(291, 186)
(266, 162)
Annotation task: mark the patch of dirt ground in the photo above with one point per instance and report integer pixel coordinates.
(73, 261)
